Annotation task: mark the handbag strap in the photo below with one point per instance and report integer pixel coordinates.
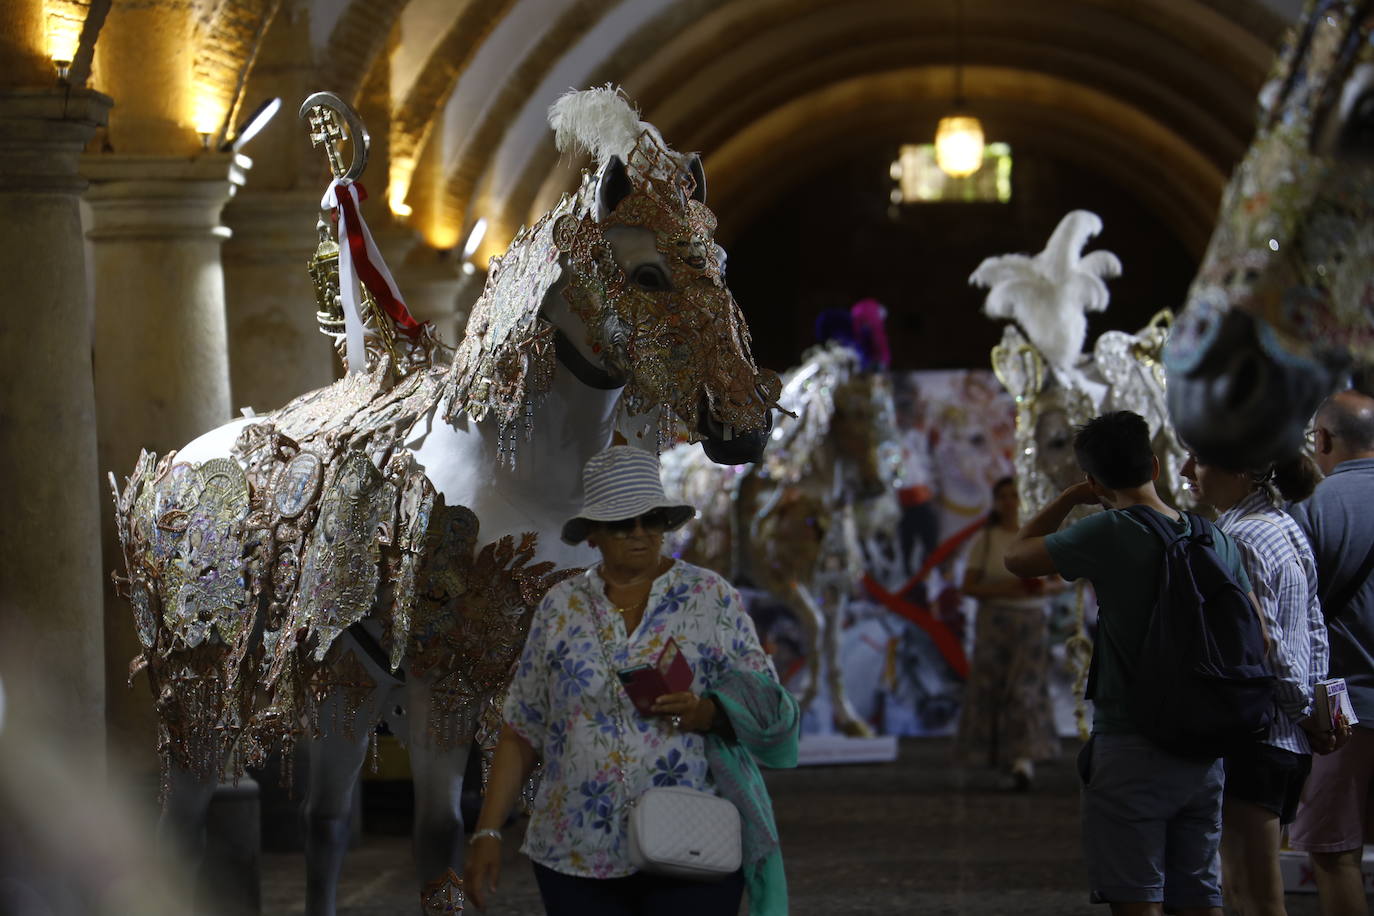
(618, 712)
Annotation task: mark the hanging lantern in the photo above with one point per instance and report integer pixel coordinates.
(959, 145)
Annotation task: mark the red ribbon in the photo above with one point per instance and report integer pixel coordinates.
(368, 273)
(950, 645)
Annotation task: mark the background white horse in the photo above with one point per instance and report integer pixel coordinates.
(1055, 383)
(389, 536)
(796, 524)
(1057, 386)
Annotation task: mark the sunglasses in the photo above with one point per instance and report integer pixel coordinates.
(653, 522)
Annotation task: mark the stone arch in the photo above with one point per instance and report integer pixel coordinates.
(358, 38)
(1149, 160)
(661, 76)
(414, 119)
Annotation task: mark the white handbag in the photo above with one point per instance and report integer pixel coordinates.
(685, 834)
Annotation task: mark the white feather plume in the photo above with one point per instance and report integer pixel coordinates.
(600, 121)
(1048, 293)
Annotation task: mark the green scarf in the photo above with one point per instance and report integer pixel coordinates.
(765, 719)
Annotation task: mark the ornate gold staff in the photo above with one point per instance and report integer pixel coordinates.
(331, 122)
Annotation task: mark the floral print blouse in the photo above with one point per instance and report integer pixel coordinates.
(567, 702)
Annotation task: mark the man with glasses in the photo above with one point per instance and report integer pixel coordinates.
(1337, 809)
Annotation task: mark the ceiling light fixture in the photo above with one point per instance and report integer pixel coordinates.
(959, 136)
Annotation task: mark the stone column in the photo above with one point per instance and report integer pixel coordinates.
(276, 350)
(51, 575)
(161, 361)
(430, 281)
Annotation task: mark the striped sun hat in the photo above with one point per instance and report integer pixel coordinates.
(621, 483)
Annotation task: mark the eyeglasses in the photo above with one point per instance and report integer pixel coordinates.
(654, 522)
(1311, 435)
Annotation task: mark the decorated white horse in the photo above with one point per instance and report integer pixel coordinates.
(1055, 384)
(1283, 304)
(795, 523)
(385, 540)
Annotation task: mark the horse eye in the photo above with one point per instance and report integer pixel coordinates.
(650, 277)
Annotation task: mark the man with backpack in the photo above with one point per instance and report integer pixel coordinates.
(1151, 815)
(1334, 817)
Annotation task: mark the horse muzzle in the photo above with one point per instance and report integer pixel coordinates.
(733, 446)
(1236, 398)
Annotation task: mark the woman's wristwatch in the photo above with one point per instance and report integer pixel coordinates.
(485, 831)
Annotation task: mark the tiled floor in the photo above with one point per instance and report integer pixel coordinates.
(912, 837)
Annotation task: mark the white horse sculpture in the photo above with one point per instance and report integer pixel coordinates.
(1055, 384)
(795, 523)
(388, 537)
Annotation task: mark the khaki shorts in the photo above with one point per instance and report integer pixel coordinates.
(1335, 813)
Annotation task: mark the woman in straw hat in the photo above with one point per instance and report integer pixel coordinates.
(568, 710)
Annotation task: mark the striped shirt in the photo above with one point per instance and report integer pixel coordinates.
(1279, 562)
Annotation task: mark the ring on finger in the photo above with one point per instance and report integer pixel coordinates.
(677, 721)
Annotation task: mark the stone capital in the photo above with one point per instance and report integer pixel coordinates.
(160, 197)
(272, 227)
(42, 134)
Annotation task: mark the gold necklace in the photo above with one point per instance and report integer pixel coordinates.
(637, 606)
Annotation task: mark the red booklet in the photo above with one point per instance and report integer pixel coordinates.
(669, 674)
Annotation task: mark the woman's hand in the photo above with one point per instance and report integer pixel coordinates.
(511, 765)
(689, 712)
(482, 870)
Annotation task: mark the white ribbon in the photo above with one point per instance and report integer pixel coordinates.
(349, 292)
(348, 279)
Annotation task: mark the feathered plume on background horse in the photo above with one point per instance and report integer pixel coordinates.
(387, 538)
(795, 524)
(1283, 304)
(1055, 384)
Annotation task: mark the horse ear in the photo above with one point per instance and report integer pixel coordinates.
(614, 187)
(698, 177)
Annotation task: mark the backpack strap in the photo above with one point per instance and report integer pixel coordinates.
(1200, 527)
(1156, 523)
(1090, 686)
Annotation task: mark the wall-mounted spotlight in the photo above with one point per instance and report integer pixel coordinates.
(479, 232)
(251, 127)
(63, 26)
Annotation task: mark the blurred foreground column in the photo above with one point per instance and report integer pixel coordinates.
(51, 580)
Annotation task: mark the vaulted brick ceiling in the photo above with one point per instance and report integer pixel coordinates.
(1158, 92)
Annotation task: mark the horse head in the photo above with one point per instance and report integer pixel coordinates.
(1284, 298)
(624, 284)
(840, 433)
(1047, 410)
(864, 432)
(647, 279)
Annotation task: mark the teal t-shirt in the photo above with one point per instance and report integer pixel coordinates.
(1121, 557)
